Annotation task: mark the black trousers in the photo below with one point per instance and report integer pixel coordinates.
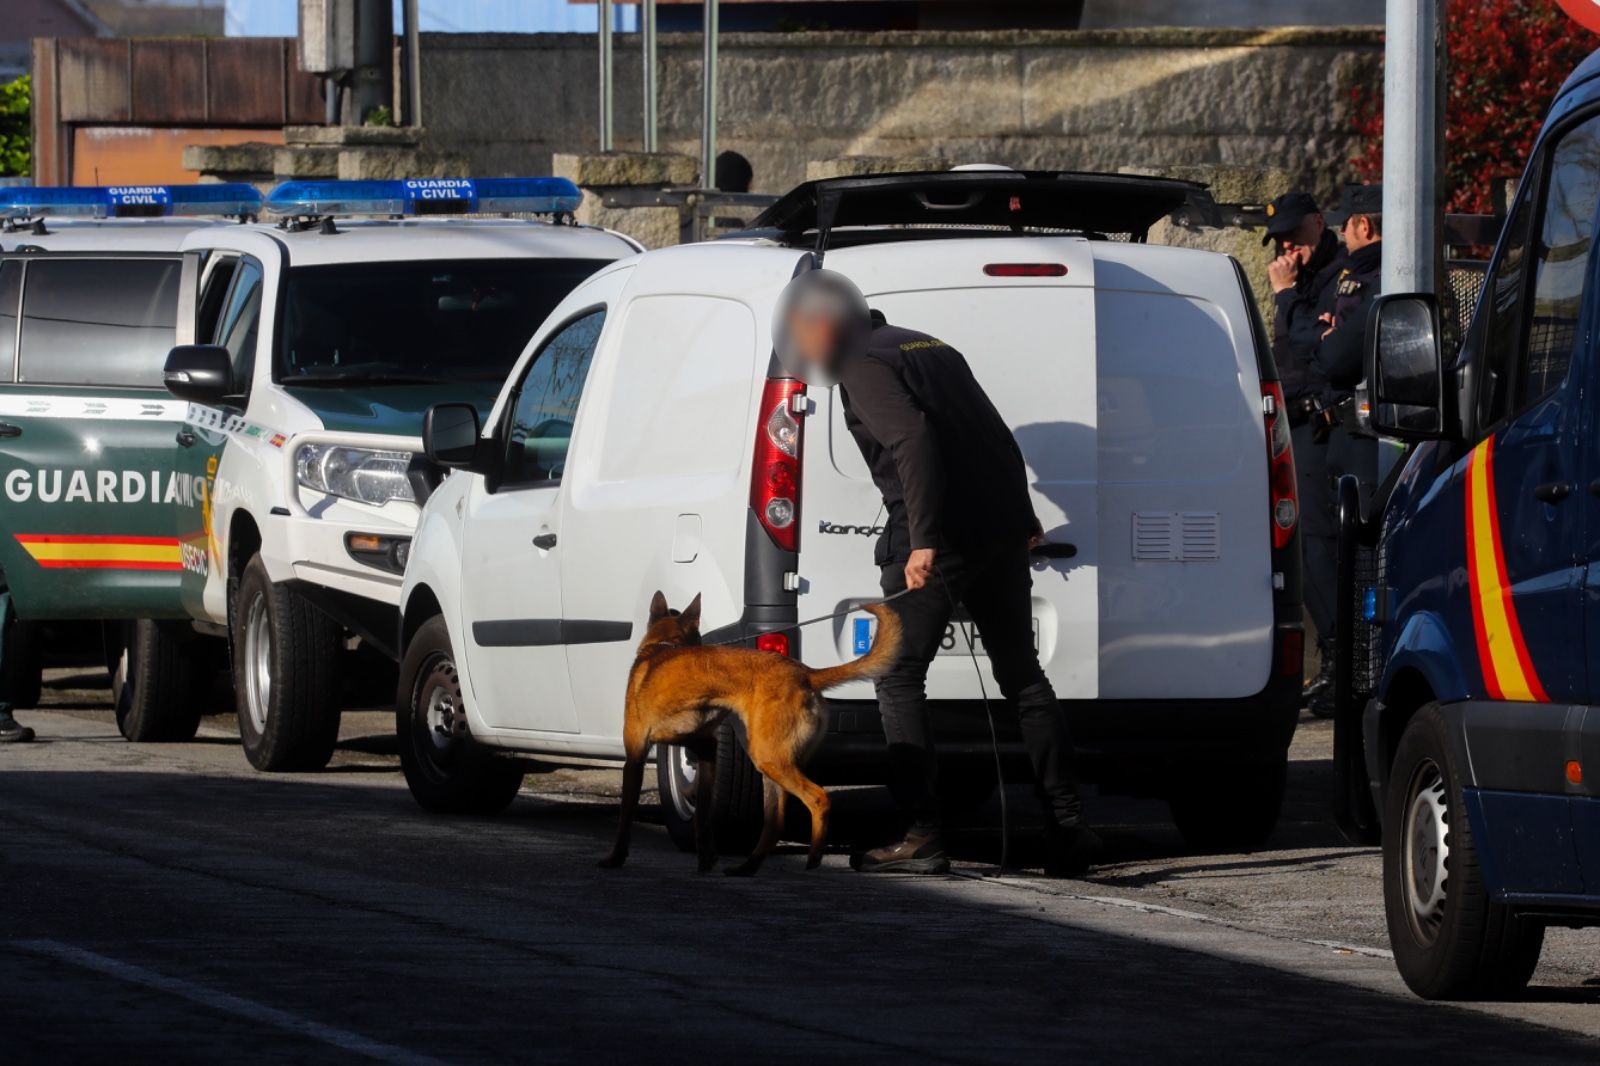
(1319, 527)
(994, 588)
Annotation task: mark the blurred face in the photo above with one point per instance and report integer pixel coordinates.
(1358, 232)
(1304, 240)
(814, 336)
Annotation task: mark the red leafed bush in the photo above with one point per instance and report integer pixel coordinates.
(1506, 60)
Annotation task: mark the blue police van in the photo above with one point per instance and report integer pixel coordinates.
(1468, 724)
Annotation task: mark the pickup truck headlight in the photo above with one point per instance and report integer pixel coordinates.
(362, 474)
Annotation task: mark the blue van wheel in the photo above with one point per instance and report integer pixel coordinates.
(1450, 940)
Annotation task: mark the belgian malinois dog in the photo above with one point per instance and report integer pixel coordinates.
(679, 691)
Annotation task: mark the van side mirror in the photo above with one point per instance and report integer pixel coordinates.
(1405, 367)
(452, 435)
(202, 373)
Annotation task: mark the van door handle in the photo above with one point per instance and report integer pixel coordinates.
(8, 430)
(545, 541)
(1052, 550)
(185, 438)
(1594, 487)
(1553, 491)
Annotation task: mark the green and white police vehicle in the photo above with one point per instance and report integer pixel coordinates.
(222, 439)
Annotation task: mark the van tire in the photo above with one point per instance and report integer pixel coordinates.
(736, 801)
(24, 665)
(1230, 807)
(285, 650)
(1463, 945)
(157, 688)
(446, 776)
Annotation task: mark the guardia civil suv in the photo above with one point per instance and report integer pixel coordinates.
(247, 467)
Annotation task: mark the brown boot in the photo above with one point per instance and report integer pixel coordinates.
(921, 852)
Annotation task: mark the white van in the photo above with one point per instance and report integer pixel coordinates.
(634, 449)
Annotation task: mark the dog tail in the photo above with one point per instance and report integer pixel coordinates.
(876, 663)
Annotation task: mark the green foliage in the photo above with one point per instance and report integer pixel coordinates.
(16, 131)
(378, 116)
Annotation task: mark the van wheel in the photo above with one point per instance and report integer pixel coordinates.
(24, 665)
(1230, 807)
(1450, 941)
(284, 652)
(156, 682)
(736, 800)
(446, 771)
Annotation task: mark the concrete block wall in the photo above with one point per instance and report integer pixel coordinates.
(1098, 100)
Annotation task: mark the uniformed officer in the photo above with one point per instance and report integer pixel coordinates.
(959, 527)
(1338, 355)
(1303, 274)
(11, 730)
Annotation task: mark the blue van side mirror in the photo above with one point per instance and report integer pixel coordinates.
(1405, 367)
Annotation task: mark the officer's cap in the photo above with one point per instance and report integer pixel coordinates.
(1357, 200)
(1285, 214)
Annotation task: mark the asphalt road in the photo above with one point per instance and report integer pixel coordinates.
(165, 903)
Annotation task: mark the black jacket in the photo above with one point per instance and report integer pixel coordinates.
(1339, 356)
(1295, 329)
(950, 471)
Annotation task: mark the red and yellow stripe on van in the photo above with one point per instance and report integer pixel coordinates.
(60, 552)
(1508, 672)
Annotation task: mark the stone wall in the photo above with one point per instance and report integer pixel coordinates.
(1098, 100)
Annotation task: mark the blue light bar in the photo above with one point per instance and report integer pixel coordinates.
(425, 196)
(129, 201)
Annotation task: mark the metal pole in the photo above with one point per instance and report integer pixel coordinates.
(1410, 145)
(708, 116)
(1411, 154)
(413, 71)
(605, 76)
(647, 34)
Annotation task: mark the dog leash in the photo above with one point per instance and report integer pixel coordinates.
(808, 622)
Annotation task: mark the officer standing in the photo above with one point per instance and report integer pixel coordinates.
(11, 730)
(959, 527)
(1302, 277)
(1338, 355)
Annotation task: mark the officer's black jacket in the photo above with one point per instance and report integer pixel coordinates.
(949, 469)
(1295, 329)
(1338, 357)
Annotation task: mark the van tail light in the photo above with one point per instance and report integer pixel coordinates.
(778, 643)
(1282, 492)
(775, 473)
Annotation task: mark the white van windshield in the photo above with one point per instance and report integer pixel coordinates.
(405, 323)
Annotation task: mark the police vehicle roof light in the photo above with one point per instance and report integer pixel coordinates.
(129, 201)
(425, 196)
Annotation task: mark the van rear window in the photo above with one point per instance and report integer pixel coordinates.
(98, 321)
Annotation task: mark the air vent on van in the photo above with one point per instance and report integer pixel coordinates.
(1176, 536)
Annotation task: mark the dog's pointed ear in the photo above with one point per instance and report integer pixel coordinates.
(658, 606)
(691, 613)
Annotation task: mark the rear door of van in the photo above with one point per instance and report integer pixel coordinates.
(1031, 343)
(1128, 376)
(87, 434)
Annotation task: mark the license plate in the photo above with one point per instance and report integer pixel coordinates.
(959, 631)
(954, 641)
